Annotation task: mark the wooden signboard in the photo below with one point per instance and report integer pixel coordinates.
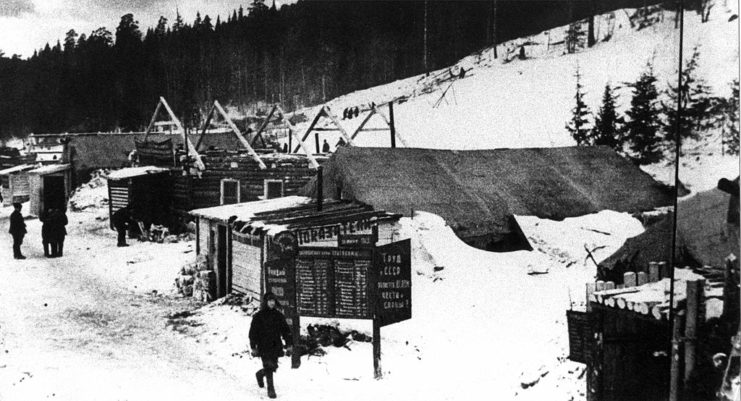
(333, 282)
(393, 282)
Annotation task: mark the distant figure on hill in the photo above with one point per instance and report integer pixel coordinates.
(17, 230)
(121, 220)
(325, 147)
(267, 328)
(462, 74)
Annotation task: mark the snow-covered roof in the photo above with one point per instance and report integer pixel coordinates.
(50, 169)
(135, 172)
(16, 169)
(245, 211)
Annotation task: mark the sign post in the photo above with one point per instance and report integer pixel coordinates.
(392, 292)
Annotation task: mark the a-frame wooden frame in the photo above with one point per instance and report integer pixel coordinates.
(173, 119)
(217, 108)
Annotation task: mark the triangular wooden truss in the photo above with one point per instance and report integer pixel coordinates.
(326, 112)
(174, 120)
(291, 131)
(217, 108)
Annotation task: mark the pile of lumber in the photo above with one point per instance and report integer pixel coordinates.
(648, 294)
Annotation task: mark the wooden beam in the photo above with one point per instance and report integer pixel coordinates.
(396, 131)
(191, 150)
(153, 120)
(336, 122)
(264, 124)
(308, 131)
(292, 132)
(205, 126)
(362, 124)
(239, 135)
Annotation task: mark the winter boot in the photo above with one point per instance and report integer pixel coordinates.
(260, 375)
(271, 388)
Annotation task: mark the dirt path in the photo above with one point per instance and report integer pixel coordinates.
(67, 332)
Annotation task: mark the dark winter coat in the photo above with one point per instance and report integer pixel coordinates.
(268, 326)
(120, 219)
(17, 225)
(46, 226)
(58, 223)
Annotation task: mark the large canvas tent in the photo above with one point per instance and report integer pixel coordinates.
(478, 191)
(702, 238)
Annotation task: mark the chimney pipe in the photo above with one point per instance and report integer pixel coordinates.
(319, 188)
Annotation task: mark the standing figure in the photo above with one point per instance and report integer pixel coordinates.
(121, 220)
(46, 225)
(17, 230)
(58, 232)
(341, 142)
(267, 328)
(325, 147)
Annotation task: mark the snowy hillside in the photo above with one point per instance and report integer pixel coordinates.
(526, 103)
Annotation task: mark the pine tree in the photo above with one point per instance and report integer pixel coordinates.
(642, 129)
(574, 37)
(730, 124)
(578, 126)
(607, 123)
(697, 104)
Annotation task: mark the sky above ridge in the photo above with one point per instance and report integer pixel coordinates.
(27, 25)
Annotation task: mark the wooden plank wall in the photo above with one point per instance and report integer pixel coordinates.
(246, 267)
(295, 172)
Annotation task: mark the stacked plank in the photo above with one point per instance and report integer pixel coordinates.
(647, 293)
(196, 280)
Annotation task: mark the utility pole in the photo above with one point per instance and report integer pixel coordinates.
(494, 29)
(424, 55)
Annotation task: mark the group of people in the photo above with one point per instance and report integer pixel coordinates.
(53, 231)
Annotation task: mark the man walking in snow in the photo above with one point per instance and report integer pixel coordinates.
(267, 328)
(17, 230)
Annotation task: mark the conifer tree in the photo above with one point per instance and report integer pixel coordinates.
(696, 104)
(642, 128)
(731, 120)
(607, 123)
(578, 126)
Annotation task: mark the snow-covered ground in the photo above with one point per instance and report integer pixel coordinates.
(93, 325)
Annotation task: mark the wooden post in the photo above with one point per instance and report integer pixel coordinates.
(590, 292)
(695, 290)
(377, 372)
(319, 189)
(290, 140)
(393, 130)
(629, 279)
(664, 270)
(316, 141)
(642, 278)
(295, 334)
(653, 272)
(676, 343)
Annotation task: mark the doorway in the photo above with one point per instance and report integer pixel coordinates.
(54, 196)
(221, 265)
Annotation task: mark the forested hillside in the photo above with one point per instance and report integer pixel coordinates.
(299, 55)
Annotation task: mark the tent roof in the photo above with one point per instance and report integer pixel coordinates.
(701, 238)
(478, 191)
